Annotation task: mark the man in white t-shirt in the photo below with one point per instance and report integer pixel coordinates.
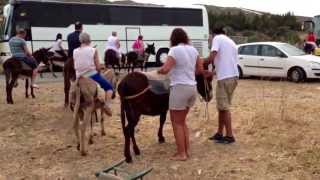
(224, 55)
(114, 44)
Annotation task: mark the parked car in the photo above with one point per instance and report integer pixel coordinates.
(276, 59)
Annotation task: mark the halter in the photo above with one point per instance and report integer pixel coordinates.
(138, 94)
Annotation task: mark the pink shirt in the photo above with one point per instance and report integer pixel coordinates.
(138, 46)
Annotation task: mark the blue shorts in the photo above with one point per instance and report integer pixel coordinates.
(104, 84)
(29, 61)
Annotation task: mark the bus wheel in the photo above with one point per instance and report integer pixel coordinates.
(161, 56)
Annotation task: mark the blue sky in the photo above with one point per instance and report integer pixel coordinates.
(298, 7)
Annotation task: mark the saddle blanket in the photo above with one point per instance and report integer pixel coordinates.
(160, 84)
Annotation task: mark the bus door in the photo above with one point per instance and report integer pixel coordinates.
(132, 34)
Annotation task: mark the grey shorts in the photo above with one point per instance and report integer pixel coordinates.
(182, 97)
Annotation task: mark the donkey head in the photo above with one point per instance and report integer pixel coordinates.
(150, 49)
(204, 85)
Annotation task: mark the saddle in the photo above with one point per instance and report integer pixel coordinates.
(159, 84)
(25, 66)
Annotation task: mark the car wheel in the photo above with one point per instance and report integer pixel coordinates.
(161, 56)
(240, 72)
(297, 75)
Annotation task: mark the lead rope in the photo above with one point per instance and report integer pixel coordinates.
(206, 87)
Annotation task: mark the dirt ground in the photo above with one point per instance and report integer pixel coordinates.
(276, 126)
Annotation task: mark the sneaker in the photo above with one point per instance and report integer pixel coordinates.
(227, 140)
(107, 109)
(217, 137)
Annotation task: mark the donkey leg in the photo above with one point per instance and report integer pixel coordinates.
(103, 132)
(27, 87)
(132, 122)
(91, 130)
(32, 92)
(9, 89)
(160, 132)
(66, 88)
(51, 69)
(83, 128)
(127, 153)
(76, 129)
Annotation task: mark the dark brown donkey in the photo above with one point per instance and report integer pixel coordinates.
(137, 99)
(111, 59)
(14, 69)
(133, 60)
(69, 74)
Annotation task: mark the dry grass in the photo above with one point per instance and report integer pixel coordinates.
(276, 125)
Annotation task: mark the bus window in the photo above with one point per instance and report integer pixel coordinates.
(132, 15)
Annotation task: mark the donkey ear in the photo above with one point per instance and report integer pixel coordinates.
(152, 44)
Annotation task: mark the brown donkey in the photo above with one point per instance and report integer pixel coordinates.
(13, 69)
(84, 102)
(137, 99)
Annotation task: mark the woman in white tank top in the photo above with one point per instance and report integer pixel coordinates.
(183, 61)
(86, 64)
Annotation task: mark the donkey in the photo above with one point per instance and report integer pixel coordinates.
(133, 58)
(14, 69)
(137, 99)
(57, 61)
(84, 102)
(111, 59)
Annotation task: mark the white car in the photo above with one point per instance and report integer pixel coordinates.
(275, 59)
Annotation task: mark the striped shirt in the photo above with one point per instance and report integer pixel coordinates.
(17, 47)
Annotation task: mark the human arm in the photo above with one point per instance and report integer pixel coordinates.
(200, 68)
(118, 44)
(96, 61)
(27, 51)
(167, 66)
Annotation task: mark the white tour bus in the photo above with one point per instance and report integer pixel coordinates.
(44, 19)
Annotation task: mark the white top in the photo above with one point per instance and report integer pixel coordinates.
(186, 59)
(112, 43)
(226, 60)
(57, 46)
(84, 61)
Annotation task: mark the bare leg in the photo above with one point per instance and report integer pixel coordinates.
(178, 122)
(33, 78)
(226, 116)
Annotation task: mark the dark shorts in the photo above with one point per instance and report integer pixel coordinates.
(29, 61)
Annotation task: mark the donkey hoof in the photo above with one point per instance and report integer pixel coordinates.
(83, 153)
(33, 97)
(162, 140)
(78, 147)
(103, 133)
(136, 151)
(129, 159)
(90, 141)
